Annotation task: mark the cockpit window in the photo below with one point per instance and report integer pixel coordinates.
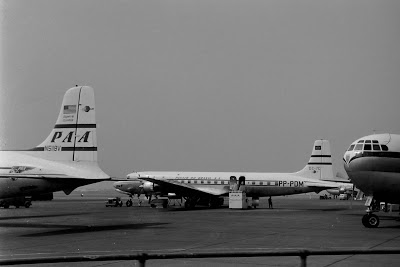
(368, 141)
(367, 147)
(375, 141)
(361, 141)
(376, 147)
(351, 148)
(358, 147)
(384, 148)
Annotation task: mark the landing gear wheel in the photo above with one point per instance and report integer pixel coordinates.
(370, 220)
(364, 220)
(129, 203)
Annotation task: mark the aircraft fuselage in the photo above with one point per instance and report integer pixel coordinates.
(255, 184)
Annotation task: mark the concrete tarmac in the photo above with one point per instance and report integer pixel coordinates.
(82, 225)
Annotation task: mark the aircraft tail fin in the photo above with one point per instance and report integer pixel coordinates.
(73, 137)
(320, 164)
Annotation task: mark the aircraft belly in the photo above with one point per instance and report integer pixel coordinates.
(21, 186)
(265, 191)
(383, 185)
(377, 176)
(10, 187)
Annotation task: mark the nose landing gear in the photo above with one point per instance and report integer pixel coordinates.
(371, 220)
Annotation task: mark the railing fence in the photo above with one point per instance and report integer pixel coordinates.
(143, 257)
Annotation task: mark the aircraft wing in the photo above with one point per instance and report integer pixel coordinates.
(319, 185)
(185, 189)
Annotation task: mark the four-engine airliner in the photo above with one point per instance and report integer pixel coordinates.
(373, 165)
(208, 188)
(65, 160)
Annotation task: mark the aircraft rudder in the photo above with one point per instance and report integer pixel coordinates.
(86, 137)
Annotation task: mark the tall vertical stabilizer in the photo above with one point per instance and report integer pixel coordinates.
(320, 164)
(73, 137)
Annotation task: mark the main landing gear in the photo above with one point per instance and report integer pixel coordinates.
(129, 202)
(371, 220)
(216, 202)
(190, 202)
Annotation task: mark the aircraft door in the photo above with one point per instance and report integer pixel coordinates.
(242, 183)
(233, 183)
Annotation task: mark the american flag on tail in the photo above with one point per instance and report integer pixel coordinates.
(69, 109)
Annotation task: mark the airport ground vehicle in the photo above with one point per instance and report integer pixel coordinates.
(114, 202)
(16, 201)
(343, 197)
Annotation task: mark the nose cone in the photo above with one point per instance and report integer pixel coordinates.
(117, 185)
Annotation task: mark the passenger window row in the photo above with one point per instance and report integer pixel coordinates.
(201, 182)
(216, 182)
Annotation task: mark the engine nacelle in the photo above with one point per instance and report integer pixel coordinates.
(150, 188)
(342, 190)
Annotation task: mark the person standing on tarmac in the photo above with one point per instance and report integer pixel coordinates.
(270, 203)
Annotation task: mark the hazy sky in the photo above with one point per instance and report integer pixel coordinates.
(214, 85)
